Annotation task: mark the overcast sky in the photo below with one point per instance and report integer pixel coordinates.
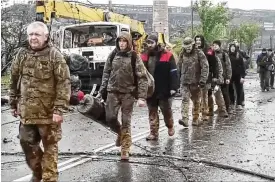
(242, 4)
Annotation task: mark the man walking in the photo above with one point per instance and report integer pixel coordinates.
(119, 81)
(40, 90)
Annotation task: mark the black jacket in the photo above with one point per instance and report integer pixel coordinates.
(163, 67)
(237, 64)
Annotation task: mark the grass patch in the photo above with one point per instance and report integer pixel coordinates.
(5, 81)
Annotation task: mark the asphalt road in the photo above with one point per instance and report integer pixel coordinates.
(244, 141)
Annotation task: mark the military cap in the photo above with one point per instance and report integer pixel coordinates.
(187, 41)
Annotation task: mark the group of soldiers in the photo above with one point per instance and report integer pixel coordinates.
(202, 73)
(208, 72)
(265, 68)
(40, 90)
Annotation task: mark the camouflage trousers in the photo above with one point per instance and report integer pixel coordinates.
(114, 102)
(205, 100)
(265, 79)
(165, 106)
(42, 164)
(219, 101)
(193, 92)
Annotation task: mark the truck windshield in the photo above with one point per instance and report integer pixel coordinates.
(89, 36)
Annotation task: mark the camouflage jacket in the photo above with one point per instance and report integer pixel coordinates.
(219, 69)
(40, 85)
(118, 75)
(193, 67)
(226, 64)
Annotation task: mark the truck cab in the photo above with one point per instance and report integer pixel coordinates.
(94, 41)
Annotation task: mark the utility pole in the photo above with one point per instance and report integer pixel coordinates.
(110, 5)
(271, 40)
(192, 19)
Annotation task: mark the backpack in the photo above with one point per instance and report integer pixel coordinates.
(150, 78)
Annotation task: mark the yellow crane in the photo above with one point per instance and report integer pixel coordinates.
(46, 10)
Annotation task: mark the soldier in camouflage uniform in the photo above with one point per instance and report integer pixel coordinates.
(119, 81)
(214, 78)
(194, 70)
(227, 74)
(162, 66)
(40, 90)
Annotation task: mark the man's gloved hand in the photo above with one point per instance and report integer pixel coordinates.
(215, 80)
(172, 92)
(202, 85)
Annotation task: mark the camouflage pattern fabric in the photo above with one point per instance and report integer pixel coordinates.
(40, 85)
(43, 164)
(220, 101)
(194, 67)
(114, 102)
(118, 75)
(205, 101)
(226, 64)
(192, 92)
(166, 109)
(210, 103)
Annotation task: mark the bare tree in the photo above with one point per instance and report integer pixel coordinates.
(14, 20)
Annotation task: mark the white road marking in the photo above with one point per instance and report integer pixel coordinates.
(106, 148)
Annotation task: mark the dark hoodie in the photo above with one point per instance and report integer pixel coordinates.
(211, 57)
(245, 56)
(237, 63)
(118, 75)
(264, 61)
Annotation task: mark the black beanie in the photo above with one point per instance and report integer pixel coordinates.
(218, 42)
(153, 37)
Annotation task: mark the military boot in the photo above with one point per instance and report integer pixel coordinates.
(152, 136)
(210, 112)
(35, 179)
(196, 121)
(124, 155)
(183, 122)
(126, 142)
(223, 113)
(205, 117)
(230, 110)
(171, 131)
(204, 112)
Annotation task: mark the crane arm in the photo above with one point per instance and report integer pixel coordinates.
(48, 9)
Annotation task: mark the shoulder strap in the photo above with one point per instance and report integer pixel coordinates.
(22, 56)
(112, 56)
(53, 51)
(133, 63)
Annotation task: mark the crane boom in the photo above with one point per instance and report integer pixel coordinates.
(48, 9)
